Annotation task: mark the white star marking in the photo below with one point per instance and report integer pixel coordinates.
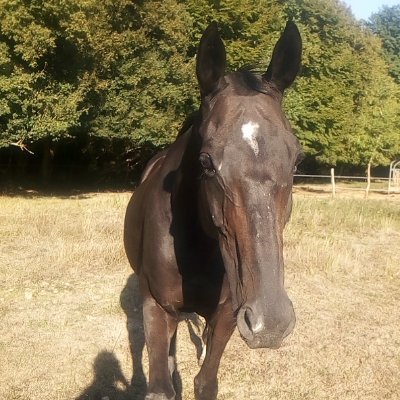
(249, 131)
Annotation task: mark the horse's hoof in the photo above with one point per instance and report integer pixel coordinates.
(205, 391)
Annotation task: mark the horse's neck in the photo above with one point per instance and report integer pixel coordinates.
(185, 191)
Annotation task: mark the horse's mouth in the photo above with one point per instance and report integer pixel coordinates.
(264, 342)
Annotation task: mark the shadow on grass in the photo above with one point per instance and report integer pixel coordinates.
(298, 189)
(63, 191)
(109, 383)
(132, 304)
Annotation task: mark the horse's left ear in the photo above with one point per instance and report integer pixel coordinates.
(211, 60)
(286, 58)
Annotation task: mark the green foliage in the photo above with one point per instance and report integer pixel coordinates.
(345, 107)
(386, 24)
(123, 69)
(249, 28)
(150, 87)
(35, 102)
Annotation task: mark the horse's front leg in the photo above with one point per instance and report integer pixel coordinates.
(219, 329)
(159, 330)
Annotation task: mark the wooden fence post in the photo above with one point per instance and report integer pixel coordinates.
(368, 180)
(333, 182)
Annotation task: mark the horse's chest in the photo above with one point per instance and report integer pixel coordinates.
(201, 288)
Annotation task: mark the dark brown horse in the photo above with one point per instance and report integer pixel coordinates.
(204, 229)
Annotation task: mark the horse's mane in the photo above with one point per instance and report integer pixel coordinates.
(189, 122)
(254, 80)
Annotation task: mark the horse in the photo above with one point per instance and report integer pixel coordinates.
(204, 229)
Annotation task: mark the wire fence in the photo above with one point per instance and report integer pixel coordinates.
(334, 184)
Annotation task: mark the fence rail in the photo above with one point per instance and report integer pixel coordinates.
(342, 177)
(334, 187)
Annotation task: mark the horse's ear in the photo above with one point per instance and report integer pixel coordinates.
(211, 60)
(286, 58)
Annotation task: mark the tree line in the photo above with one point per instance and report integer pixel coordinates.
(100, 86)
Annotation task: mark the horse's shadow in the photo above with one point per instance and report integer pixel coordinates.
(131, 303)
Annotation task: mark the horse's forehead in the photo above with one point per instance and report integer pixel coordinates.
(236, 118)
(236, 102)
(251, 134)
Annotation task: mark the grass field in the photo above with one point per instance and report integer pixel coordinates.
(67, 297)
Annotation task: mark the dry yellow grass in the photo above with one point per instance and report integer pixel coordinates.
(64, 277)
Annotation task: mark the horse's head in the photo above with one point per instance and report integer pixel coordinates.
(247, 157)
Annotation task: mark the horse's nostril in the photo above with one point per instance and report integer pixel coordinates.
(254, 324)
(244, 323)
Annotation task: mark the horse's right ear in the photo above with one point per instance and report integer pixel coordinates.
(286, 57)
(211, 60)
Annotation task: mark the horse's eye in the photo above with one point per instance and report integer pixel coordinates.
(207, 165)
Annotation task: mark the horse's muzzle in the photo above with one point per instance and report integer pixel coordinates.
(266, 329)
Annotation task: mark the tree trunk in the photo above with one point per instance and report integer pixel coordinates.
(47, 158)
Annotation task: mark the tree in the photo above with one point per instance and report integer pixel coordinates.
(39, 101)
(123, 71)
(249, 28)
(36, 103)
(335, 101)
(150, 87)
(386, 24)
